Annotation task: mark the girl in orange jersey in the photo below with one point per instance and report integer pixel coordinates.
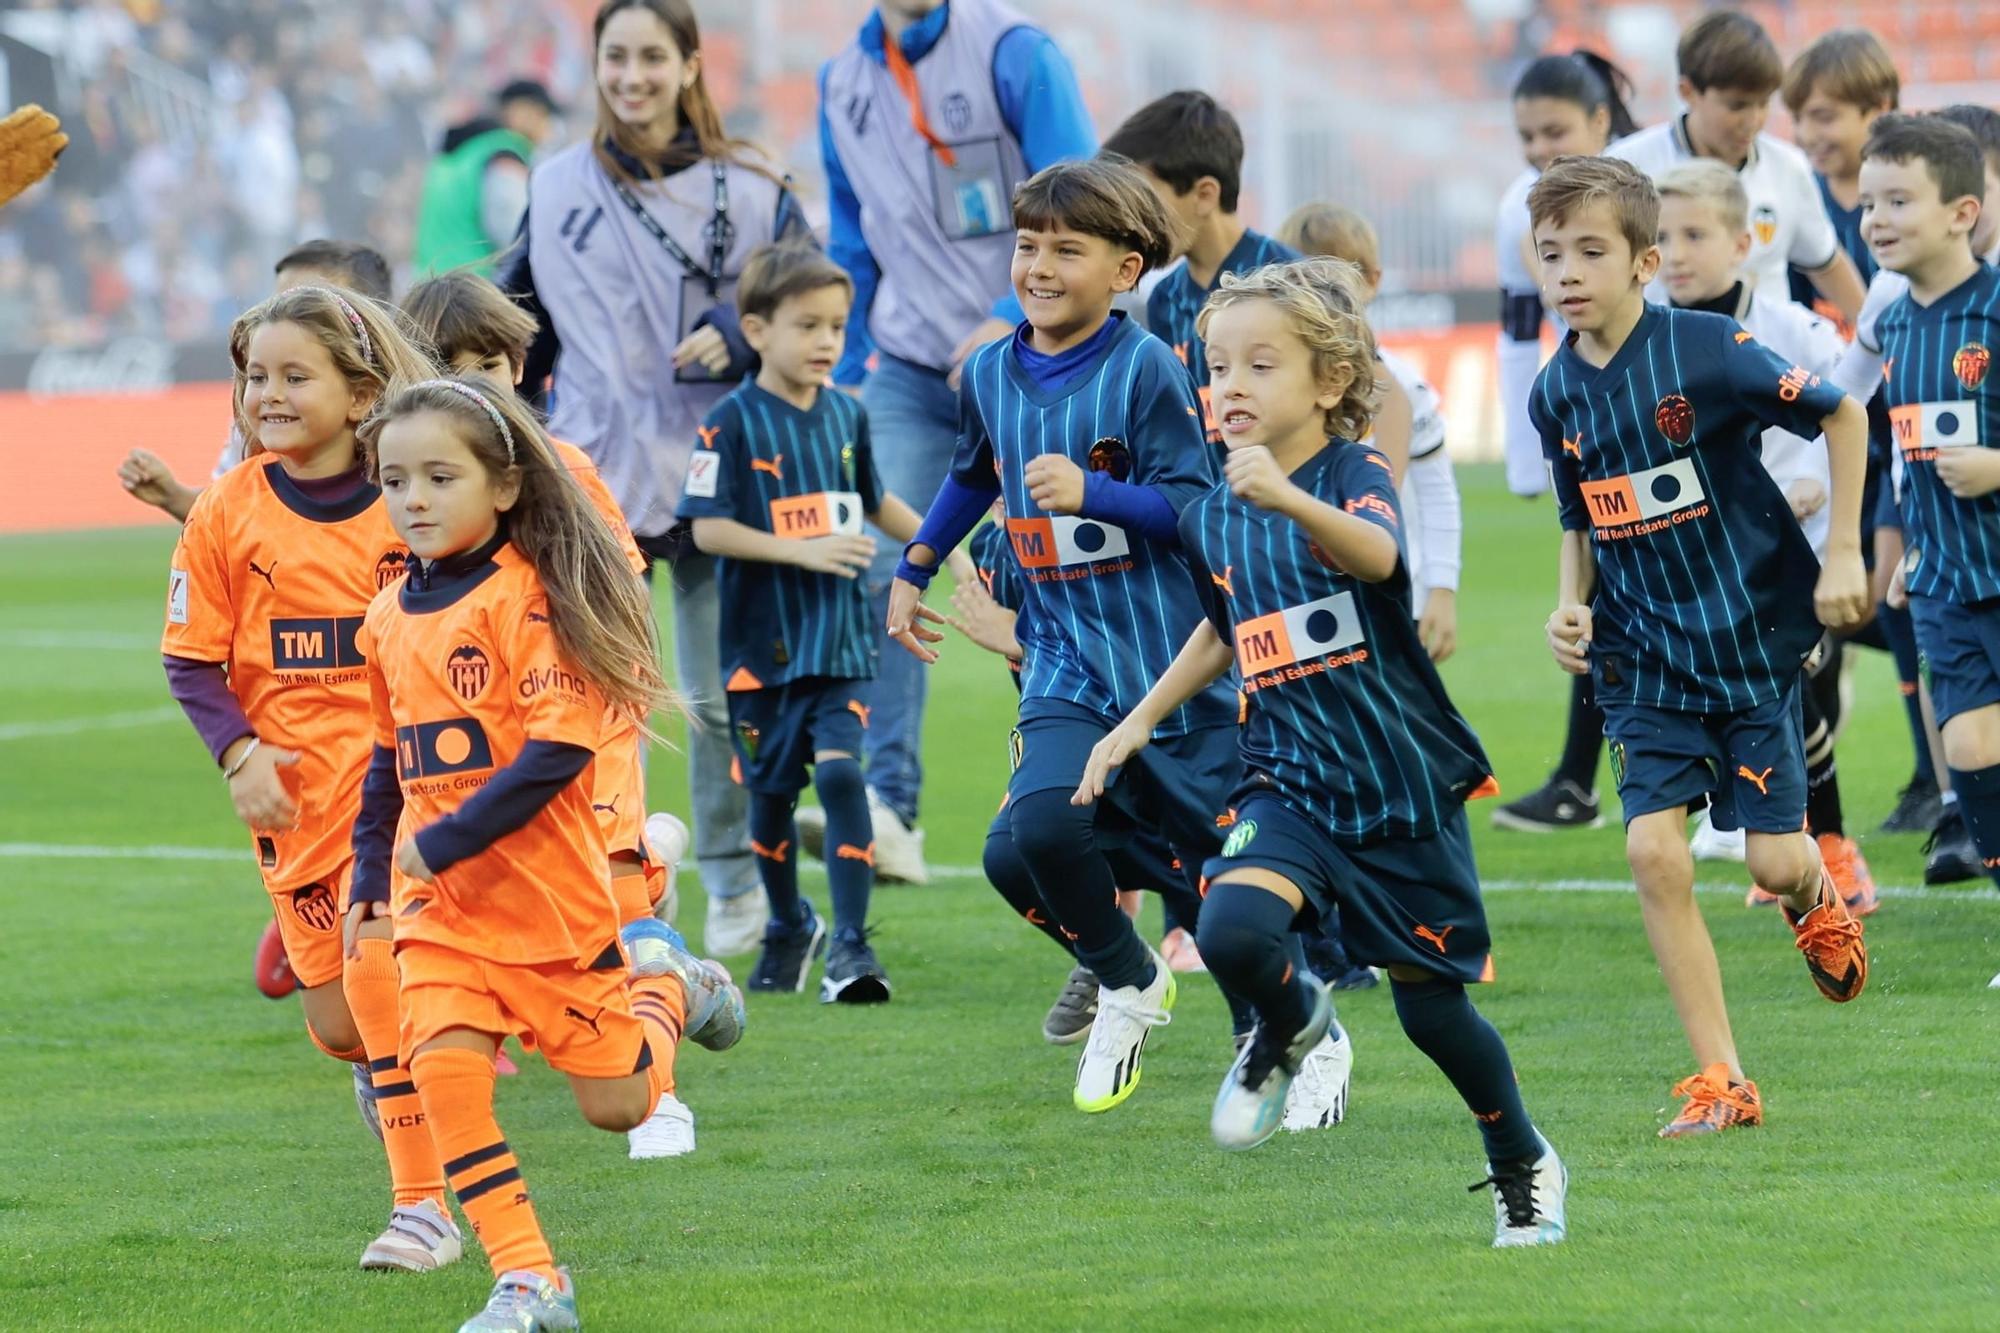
(491, 667)
(274, 570)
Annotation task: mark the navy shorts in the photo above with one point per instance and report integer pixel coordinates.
(1406, 902)
(1961, 646)
(1751, 766)
(777, 731)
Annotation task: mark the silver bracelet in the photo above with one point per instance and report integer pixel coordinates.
(242, 759)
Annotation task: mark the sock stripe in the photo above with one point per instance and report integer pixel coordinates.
(493, 1182)
(394, 1090)
(382, 1066)
(461, 1164)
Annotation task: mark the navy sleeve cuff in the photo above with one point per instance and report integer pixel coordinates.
(512, 797)
(375, 828)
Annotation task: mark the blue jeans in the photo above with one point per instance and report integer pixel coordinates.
(721, 807)
(913, 422)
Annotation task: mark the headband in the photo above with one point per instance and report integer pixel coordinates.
(354, 320)
(486, 405)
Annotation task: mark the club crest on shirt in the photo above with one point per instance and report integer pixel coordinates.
(956, 112)
(1675, 418)
(468, 668)
(1110, 455)
(1970, 363)
(1764, 221)
(391, 566)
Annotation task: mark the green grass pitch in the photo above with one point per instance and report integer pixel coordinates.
(174, 1155)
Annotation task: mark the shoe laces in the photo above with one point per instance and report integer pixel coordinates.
(1112, 1004)
(1516, 1188)
(519, 1291)
(1702, 1092)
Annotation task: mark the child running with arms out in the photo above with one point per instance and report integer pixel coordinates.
(275, 568)
(1689, 593)
(1298, 564)
(490, 667)
(778, 487)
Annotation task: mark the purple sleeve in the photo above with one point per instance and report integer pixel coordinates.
(953, 515)
(1141, 509)
(512, 797)
(202, 691)
(375, 828)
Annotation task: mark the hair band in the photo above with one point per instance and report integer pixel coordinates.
(486, 405)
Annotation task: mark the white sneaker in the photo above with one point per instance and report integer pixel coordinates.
(420, 1237)
(1710, 843)
(736, 925)
(668, 1131)
(810, 821)
(1318, 1099)
(667, 838)
(1109, 1070)
(1250, 1104)
(1531, 1207)
(899, 849)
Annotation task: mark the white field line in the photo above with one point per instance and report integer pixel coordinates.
(71, 726)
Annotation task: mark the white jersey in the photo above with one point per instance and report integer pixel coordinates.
(1429, 493)
(1510, 235)
(1518, 352)
(1807, 340)
(1788, 220)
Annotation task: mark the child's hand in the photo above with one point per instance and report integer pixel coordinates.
(1969, 473)
(411, 862)
(1569, 639)
(1254, 477)
(983, 620)
(1898, 595)
(1125, 740)
(909, 621)
(146, 478)
(1841, 597)
(259, 795)
(704, 347)
(1055, 484)
(841, 555)
(357, 916)
(1806, 497)
(1438, 626)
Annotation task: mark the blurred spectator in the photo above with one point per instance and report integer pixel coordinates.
(476, 188)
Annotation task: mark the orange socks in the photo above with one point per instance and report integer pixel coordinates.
(661, 1004)
(630, 892)
(370, 981)
(457, 1090)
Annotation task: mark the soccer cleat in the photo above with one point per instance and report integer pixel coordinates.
(1715, 1102)
(275, 978)
(524, 1302)
(1949, 856)
(649, 946)
(1710, 843)
(420, 1237)
(668, 838)
(1318, 1099)
(1830, 938)
(853, 974)
(1108, 1073)
(1181, 953)
(899, 849)
(1849, 872)
(789, 953)
(364, 1098)
(667, 1132)
(1250, 1106)
(735, 925)
(1075, 1009)
(1530, 1200)
(715, 1012)
(1917, 808)
(1555, 806)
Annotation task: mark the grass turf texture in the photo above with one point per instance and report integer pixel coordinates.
(174, 1155)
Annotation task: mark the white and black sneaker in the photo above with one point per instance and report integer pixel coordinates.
(1557, 805)
(853, 974)
(1074, 1011)
(1530, 1200)
(789, 952)
(1318, 1099)
(1108, 1073)
(1250, 1105)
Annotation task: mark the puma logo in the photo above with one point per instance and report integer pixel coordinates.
(1181, 351)
(1035, 917)
(1436, 938)
(776, 466)
(265, 574)
(771, 853)
(1486, 1117)
(860, 710)
(1743, 336)
(1222, 580)
(588, 1020)
(610, 807)
(1574, 448)
(708, 434)
(1757, 780)
(849, 852)
(1888, 369)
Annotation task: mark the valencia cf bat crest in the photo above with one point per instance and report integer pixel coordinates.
(1970, 363)
(1675, 418)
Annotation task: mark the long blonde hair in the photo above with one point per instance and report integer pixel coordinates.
(601, 616)
(368, 341)
(1322, 300)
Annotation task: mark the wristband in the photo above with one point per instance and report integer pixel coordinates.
(242, 759)
(910, 572)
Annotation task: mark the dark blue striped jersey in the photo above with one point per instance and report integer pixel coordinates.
(1346, 718)
(1937, 381)
(798, 475)
(1176, 300)
(1847, 228)
(994, 559)
(1103, 610)
(1704, 580)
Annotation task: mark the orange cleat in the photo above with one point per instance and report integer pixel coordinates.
(1849, 870)
(274, 970)
(1830, 938)
(1715, 1102)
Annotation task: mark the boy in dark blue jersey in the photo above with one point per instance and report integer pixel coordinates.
(1685, 590)
(1358, 766)
(1088, 427)
(1922, 181)
(778, 488)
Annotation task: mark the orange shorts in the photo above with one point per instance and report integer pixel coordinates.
(582, 1022)
(618, 789)
(309, 920)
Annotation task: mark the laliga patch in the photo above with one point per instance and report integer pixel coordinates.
(1239, 837)
(1675, 418)
(1970, 363)
(704, 467)
(177, 596)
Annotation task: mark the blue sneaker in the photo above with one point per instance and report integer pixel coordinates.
(789, 951)
(1251, 1104)
(1530, 1200)
(524, 1302)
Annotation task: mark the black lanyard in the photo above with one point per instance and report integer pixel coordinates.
(718, 248)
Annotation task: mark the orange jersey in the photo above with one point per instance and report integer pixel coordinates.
(458, 690)
(273, 585)
(585, 471)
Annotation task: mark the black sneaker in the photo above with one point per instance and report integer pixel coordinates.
(1949, 856)
(1557, 805)
(1917, 808)
(853, 976)
(789, 952)
(1074, 1011)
